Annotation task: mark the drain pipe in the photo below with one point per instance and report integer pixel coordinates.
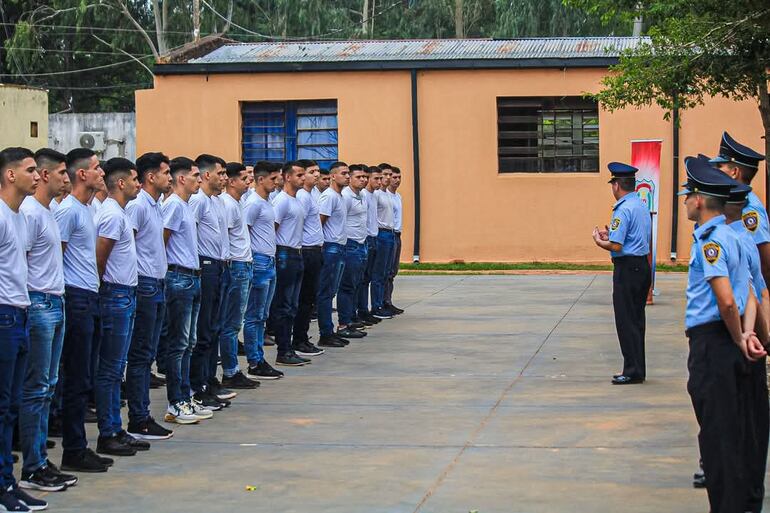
(416, 167)
(675, 174)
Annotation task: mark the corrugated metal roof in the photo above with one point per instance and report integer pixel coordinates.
(419, 50)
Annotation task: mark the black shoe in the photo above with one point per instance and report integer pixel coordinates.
(54, 427)
(330, 341)
(114, 446)
(217, 390)
(291, 359)
(103, 459)
(269, 340)
(50, 444)
(362, 322)
(381, 313)
(43, 479)
(148, 430)
(83, 461)
(626, 380)
(33, 503)
(389, 311)
(156, 381)
(139, 445)
(208, 401)
(371, 319)
(90, 416)
(396, 310)
(241, 348)
(69, 478)
(307, 349)
(264, 370)
(357, 325)
(239, 381)
(340, 339)
(348, 332)
(9, 502)
(699, 479)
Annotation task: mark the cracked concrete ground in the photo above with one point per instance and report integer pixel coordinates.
(491, 393)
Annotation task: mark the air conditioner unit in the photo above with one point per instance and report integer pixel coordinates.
(92, 140)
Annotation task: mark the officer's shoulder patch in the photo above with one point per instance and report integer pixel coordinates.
(615, 223)
(751, 220)
(711, 252)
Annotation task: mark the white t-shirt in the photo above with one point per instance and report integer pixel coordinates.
(77, 228)
(146, 217)
(53, 205)
(260, 218)
(312, 233)
(44, 257)
(240, 245)
(332, 205)
(13, 272)
(384, 209)
(113, 223)
(271, 197)
(211, 243)
(395, 197)
(355, 224)
(182, 246)
(95, 206)
(290, 217)
(371, 213)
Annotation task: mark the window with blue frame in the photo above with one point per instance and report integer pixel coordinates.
(292, 130)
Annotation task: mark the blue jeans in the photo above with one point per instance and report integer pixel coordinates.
(209, 323)
(288, 269)
(117, 310)
(366, 279)
(331, 274)
(81, 328)
(14, 340)
(183, 301)
(233, 307)
(150, 308)
(355, 263)
(382, 264)
(258, 308)
(46, 337)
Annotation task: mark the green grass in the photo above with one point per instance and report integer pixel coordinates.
(433, 268)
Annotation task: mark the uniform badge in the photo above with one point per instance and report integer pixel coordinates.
(615, 224)
(751, 221)
(711, 252)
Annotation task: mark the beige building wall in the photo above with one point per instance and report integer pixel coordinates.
(24, 111)
(470, 212)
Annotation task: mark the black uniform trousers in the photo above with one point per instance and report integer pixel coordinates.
(313, 259)
(759, 422)
(631, 281)
(719, 387)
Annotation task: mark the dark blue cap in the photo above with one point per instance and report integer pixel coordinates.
(732, 151)
(739, 193)
(620, 170)
(704, 179)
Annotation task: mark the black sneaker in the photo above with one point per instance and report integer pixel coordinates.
(371, 319)
(220, 392)
(207, 401)
(69, 478)
(103, 459)
(381, 313)
(331, 341)
(33, 503)
(43, 479)
(114, 446)
(149, 430)
(307, 349)
(239, 381)
(362, 322)
(393, 308)
(357, 325)
(139, 445)
(9, 502)
(83, 461)
(264, 370)
(348, 332)
(291, 359)
(156, 381)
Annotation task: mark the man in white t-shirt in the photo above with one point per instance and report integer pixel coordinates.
(398, 209)
(386, 241)
(373, 183)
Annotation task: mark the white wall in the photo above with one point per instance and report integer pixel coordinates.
(119, 132)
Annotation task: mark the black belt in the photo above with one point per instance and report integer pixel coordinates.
(629, 258)
(391, 230)
(289, 249)
(204, 260)
(708, 327)
(316, 249)
(183, 270)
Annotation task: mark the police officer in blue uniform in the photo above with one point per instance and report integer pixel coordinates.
(627, 238)
(722, 343)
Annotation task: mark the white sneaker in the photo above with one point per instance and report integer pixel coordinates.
(199, 410)
(181, 413)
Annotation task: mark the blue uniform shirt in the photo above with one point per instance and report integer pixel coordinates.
(755, 220)
(715, 252)
(630, 226)
(752, 255)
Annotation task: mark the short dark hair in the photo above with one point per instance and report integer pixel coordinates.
(206, 162)
(76, 159)
(288, 168)
(356, 167)
(306, 163)
(626, 183)
(12, 155)
(373, 169)
(396, 170)
(336, 165)
(325, 172)
(49, 158)
(384, 165)
(714, 203)
(115, 169)
(234, 169)
(747, 173)
(181, 165)
(149, 163)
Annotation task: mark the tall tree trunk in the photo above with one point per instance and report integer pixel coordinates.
(160, 33)
(196, 20)
(764, 111)
(459, 21)
(365, 19)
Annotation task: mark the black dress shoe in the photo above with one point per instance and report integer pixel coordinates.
(626, 380)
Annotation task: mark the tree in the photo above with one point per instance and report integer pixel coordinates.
(696, 50)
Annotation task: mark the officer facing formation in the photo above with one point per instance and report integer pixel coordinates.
(627, 240)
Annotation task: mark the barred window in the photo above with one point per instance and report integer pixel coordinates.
(547, 135)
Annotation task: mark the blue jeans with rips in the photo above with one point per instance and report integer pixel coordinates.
(150, 308)
(331, 274)
(382, 267)
(183, 301)
(347, 297)
(258, 307)
(14, 340)
(46, 337)
(117, 310)
(233, 308)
